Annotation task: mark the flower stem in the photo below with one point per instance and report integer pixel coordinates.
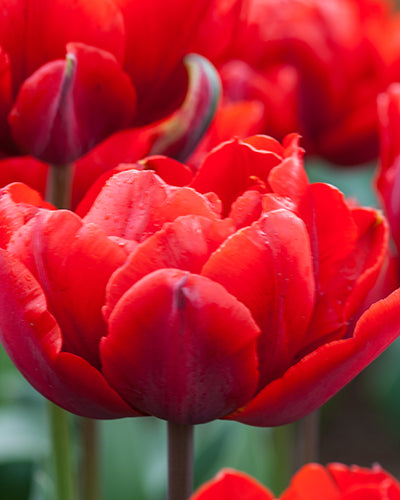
(62, 452)
(282, 465)
(180, 461)
(90, 459)
(307, 439)
(59, 185)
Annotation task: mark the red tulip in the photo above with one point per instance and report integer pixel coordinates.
(227, 299)
(232, 485)
(317, 67)
(338, 482)
(85, 69)
(312, 482)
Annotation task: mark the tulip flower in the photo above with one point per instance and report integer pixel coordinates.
(84, 70)
(227, 298)
(311, 482)
(317, 68)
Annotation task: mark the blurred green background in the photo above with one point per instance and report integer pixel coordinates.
(359, 425)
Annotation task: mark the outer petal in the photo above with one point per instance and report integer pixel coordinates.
(268, 267)
(67, 107)
(74, 282)
(232, 485)
(32, 338)
(192, 361)
(323, 372)
(351, 248)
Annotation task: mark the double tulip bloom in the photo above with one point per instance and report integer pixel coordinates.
(312, 482)
(317, 68)
(223, 295)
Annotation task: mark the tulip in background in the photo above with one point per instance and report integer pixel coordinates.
(312, 482)
(230, 298)
(313, 67)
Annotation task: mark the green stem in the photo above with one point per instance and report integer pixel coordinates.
(59, 424)
(180, 461)
(59, 185)
(282, 465)
(90, 459)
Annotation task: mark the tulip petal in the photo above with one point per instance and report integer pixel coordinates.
(232, 485)
(193, 361)
(135, 204)
(66, 107)
(312, 482)
(183, 244)
(268, 268)
(74, 282)
(351, 248)
(32, 338)
(18, 204)
(323, 372)
(245, 166)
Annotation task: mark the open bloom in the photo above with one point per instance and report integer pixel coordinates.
(228, 298)
(317, 67)
(313, 481)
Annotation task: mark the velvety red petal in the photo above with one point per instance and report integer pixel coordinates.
(181, 348)
(245, 166)
(74, 282)
(48, 25)
(134, 205)
(232, 485)
(323, 372)
(18, 204)
(67, 107)
(184, 244)
(33, 339)
(268, 267)
(312, 482)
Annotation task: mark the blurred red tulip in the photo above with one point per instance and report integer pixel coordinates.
(317, 68)
(338, 482)
(85, 69)
(230, 298)
(312, 482)
(232, 485)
